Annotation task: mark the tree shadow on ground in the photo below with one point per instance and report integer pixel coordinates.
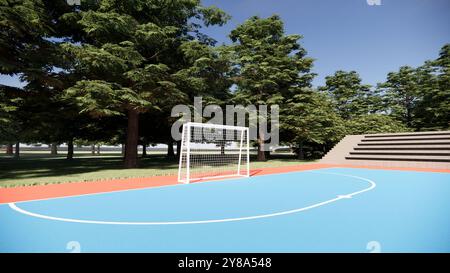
(34, 166)
(40, 166)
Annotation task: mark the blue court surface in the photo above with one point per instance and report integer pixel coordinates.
(327, 210)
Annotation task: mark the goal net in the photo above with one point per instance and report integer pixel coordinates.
(213, 151)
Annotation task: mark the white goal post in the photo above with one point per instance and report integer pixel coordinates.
(211, 151)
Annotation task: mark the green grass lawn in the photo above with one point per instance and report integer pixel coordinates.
(35, 168)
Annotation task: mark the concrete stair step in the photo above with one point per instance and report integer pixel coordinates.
(399, 158)
(421, 138)
(410, 142)
(412, 134)
(412, 150)
(404, 152)
(404, 147)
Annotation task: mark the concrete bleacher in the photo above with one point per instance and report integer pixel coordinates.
(414, 150)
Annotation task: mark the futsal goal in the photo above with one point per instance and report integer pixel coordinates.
(211, 151)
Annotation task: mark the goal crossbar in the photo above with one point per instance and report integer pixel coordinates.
(211, 125)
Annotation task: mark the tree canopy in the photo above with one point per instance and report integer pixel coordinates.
(112, 70)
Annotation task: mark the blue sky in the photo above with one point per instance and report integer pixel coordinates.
(348, 34)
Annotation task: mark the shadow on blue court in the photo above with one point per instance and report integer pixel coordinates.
(328, 210)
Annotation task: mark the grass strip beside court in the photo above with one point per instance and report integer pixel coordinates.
(39, 169)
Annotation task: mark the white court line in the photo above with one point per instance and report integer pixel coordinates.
(339, 197)
(162, 186)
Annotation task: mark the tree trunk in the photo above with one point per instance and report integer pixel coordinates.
(17, 153)
(261, 142)
(53, 149)
(123, 149)
(70, 149)
(131, 151)
(408, 111)
(98, 149)
(93, 149)
(144, 149)
(9, 149)
(178, 148)
(222, 148)
(261, 154)
(170, 152)
(300, 153)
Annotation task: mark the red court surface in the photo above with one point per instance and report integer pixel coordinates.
(38, 192)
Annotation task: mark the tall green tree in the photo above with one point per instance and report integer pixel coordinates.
(18, 119)
(351, 98)
(373, 124)
(270, 65)
(308, 120)
(432, 110)
(8, 125)
(25, 26)
(401, 92)
(123, 53)
(28, 48)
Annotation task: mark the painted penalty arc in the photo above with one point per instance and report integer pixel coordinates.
(261, 216)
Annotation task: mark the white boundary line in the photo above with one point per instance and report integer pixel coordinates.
(162, 186)
(339, 197)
